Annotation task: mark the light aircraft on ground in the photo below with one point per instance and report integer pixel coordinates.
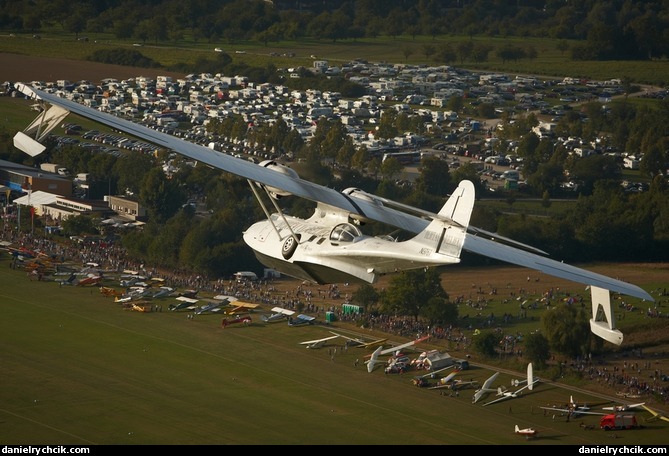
(380, 351)
(108, 291)
(184, 304)
(238, 306)
(163, 292)
(485, 389)
(318, 343)
(573, 409)
(279, 314)
(212, 306)
(624, 407)
(655, 415)
(91, 279)
(300, 320)
(330, 246)
(356, 342)
(227, 322)
(504, 395)
(528, 433)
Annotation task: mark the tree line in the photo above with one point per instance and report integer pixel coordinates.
(605, 30)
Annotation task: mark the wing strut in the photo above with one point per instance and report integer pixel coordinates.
(267, 214)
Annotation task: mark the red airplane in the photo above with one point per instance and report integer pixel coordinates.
(246, 320)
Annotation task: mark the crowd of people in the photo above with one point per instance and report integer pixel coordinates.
(633, 379)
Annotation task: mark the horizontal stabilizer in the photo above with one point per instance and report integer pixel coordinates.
(28, 145)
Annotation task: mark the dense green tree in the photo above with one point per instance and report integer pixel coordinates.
(366, 296)
(434, 177)
(537, 350)
(485, 343)
(131, 169)
(409, 292)
(439, 311)
(161, 197)
(567, 329)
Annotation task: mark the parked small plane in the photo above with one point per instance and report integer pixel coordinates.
(504, 395)
(184, 304)
(246, 320)
(624, 407)
(574, 409)
(374, 357)
(356, 342)
(300, 320)
(330, 247)
(318, 343)
(485, 389)
(163, 292)
(108, 291)
(528, 433)
(138, 308)
(212, 306)
(279, 314)
(238, 306)
(91, 279)
(655, 415)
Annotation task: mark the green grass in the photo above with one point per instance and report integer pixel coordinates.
(403, 49)
(78, 369)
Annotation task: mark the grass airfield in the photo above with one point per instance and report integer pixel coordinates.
(79, 369)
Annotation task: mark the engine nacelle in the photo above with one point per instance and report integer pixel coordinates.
(274, 192)
(360, 194)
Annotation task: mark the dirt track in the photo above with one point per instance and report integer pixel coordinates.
(22, 68)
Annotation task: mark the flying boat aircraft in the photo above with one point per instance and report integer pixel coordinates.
(330, 247)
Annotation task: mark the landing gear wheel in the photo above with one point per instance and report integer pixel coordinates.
(289, 247)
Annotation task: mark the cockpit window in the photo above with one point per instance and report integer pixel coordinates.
(344, 232)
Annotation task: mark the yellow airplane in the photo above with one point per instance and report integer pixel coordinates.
(656, 415)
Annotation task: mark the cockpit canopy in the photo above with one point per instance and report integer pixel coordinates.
(344, 232)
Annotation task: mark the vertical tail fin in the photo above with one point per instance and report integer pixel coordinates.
(445, 235)
(371, 362)
(603, 322)
(530, 377)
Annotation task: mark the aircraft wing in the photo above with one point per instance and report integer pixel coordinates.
(656, 415)
(400, 347)
(363, 207)
(317, 343)
(356, 203)
(360, 342)
(492, 249)
(283, 311)
(485, 388)
(499, 399)
(623, 407)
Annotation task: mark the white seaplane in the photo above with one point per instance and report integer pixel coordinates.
(330, 247)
